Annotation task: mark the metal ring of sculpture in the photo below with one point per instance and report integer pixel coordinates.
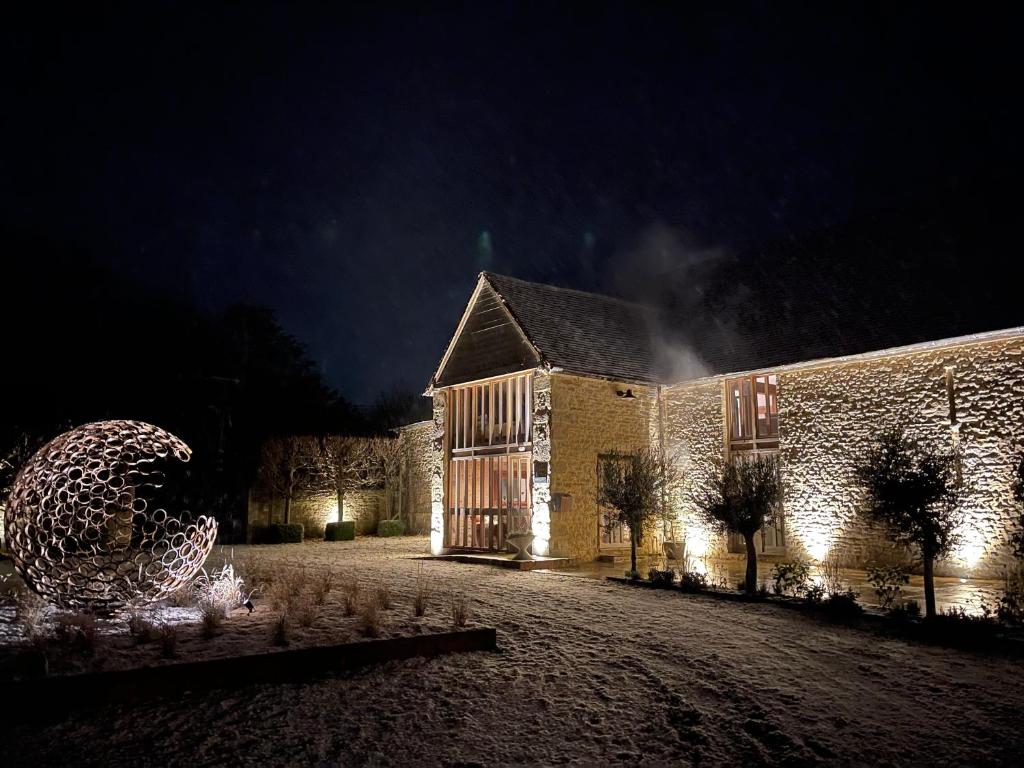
(88, 520)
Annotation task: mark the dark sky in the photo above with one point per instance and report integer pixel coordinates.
(354, 169)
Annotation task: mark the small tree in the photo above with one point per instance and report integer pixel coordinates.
(633, 488)
(1017, 539)
(742, 497)
(286, 467)
(915, 494)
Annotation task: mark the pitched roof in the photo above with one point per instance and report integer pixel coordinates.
(581, 332)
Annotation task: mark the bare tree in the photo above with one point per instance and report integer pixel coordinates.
(359, 463)
(742, 497)
(287, 465)
(634, 487)
(914, 492)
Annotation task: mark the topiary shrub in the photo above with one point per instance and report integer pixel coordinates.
(390, 528)
(343, 531)
(279, 533)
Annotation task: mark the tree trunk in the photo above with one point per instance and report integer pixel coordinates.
(287, 507)
(632, 551)
(929, 585)
(750, 582)
(341, 504)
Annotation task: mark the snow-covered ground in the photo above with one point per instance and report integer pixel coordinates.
(588, 673)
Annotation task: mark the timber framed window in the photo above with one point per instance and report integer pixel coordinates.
(490, 414)
(490, 468)
(752, 429)
(752, 409)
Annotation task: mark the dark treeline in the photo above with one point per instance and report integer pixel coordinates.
(82, 344)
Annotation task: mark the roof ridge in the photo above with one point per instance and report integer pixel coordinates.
(488, 275)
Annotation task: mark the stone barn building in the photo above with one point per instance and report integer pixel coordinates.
(539, 382)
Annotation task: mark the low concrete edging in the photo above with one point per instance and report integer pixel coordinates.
(50, 696)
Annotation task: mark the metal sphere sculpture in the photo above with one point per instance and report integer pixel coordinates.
(88, 521)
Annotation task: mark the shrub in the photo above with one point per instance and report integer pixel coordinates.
(460, 609)
(424, 591)
(168, 641)
(29, 610)
(322, 587)
(78, 631)
(383, 597)
(343, 531)
(830, 570)
(181, 598)
(290, 584)
(814, 594)
(790, 578)
(219, 593)
(956, 625)
(279, 632)
(391, 528)
(142, 627)
(844, 602)
(369, 618)
(278, 533)
(693, 581)
(906, 610)
(633, 575)
(213, 617)
(1011, 604)
(888, 582)
(762, 591)
(662, 578)
(350, 592)
(306, 610)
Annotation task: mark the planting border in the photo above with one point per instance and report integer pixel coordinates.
(44, 698)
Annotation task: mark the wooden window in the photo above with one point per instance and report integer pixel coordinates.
(491, 414)
(752, 410)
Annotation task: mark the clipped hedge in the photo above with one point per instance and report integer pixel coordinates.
(343, 531)
(278, 533)
(390, 528)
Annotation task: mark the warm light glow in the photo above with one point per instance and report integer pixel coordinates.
(436, 527)
(971, 549)
(541, 523)
(817, 544)
(332, 516)
(698, 541)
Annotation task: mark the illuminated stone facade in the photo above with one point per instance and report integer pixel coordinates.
(588, 418)
(829, 414)
(415, 479)
(695, 437)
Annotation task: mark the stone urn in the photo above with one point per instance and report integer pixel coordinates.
(521, 543)
(674, 550)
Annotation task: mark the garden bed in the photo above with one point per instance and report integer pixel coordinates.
(969, 633)
(54, 697)
(309, 584)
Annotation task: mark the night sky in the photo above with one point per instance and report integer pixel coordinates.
(355, 169)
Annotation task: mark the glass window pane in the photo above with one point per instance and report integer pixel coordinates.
(766, 389)
(739, 409)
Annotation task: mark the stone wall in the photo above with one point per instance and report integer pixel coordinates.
(829, 415)
(587, 419)
(416, 442)
(437, 466)
(695, 440)
(314, 509)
